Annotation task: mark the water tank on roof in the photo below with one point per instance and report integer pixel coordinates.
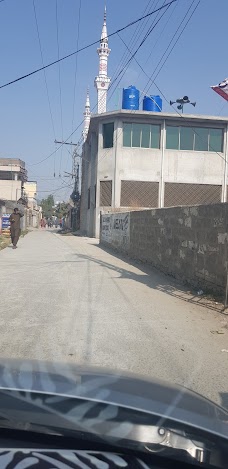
(130, 98)
(152, 103)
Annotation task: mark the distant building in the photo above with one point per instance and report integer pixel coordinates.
(13, 175)
(151, 159)
(15, 189)
(34, 211)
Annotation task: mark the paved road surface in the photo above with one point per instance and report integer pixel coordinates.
(66, 299)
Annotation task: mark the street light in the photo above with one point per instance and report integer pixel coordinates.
(181, 102)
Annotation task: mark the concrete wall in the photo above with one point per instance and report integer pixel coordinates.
(115, 230)
(10, 190)
(189, 243)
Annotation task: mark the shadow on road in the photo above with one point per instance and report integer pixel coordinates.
(149, 276)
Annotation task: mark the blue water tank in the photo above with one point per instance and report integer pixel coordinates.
(130, 98)
(152, 103)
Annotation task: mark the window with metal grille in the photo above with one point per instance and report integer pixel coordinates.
(141, 135)
(108, 130)
(194, 139)
(191, 194)
(139, 194)
(106, 193)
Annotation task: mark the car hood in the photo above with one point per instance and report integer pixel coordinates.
(127, 390)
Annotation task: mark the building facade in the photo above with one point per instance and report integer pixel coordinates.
(16, 190)
(13, 175)
(142, 159)
(34, 211)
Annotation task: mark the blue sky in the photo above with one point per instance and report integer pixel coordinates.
(197, 61)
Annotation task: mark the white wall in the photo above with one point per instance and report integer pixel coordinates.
(193, 167)
(10, 190)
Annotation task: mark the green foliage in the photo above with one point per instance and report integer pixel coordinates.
(61, 210)
(47, 206)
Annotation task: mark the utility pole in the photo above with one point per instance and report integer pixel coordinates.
(75, 196)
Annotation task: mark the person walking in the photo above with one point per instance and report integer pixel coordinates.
(42, 223)
(15, 228)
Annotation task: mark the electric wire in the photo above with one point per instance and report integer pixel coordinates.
(135, 35)
(76, 61)
(60, 87)
(156, 42)
(179, 36)
(86, 47)
(45, 77)
(72, 133)
(149, 31)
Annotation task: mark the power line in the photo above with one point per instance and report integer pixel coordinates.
(136, 21)
(76, 60)
(87, 46)
(42, 60)
(132, 41)
(156, 42)
(58, 188)
(150, 30)
(179, 36)
(59, 76)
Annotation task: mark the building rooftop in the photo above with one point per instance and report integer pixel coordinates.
(12, 161)
(123, 113)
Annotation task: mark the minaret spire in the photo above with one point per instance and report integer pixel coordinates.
(102, 81)
(87, 116)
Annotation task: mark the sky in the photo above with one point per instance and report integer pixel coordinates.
(29, 126)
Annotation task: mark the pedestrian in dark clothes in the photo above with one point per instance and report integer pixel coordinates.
(15, 228)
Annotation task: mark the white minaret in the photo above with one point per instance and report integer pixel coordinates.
(102, 81)
(87, 116)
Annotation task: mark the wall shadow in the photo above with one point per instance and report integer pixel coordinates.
(156, 279)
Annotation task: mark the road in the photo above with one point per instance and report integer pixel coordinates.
(64, 298)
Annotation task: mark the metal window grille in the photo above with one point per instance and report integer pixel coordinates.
(191, 194)
(139, 194)
(106, 193)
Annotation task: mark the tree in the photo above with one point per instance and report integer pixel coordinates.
(62, 209)
(47, 206)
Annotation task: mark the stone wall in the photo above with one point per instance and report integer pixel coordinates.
(189, 243)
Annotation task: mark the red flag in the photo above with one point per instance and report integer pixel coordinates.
(222, 89)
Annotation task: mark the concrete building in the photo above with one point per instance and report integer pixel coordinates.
(14, 187)
(143, 159)
(13, 175)
(34, 212)
(30, 192)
